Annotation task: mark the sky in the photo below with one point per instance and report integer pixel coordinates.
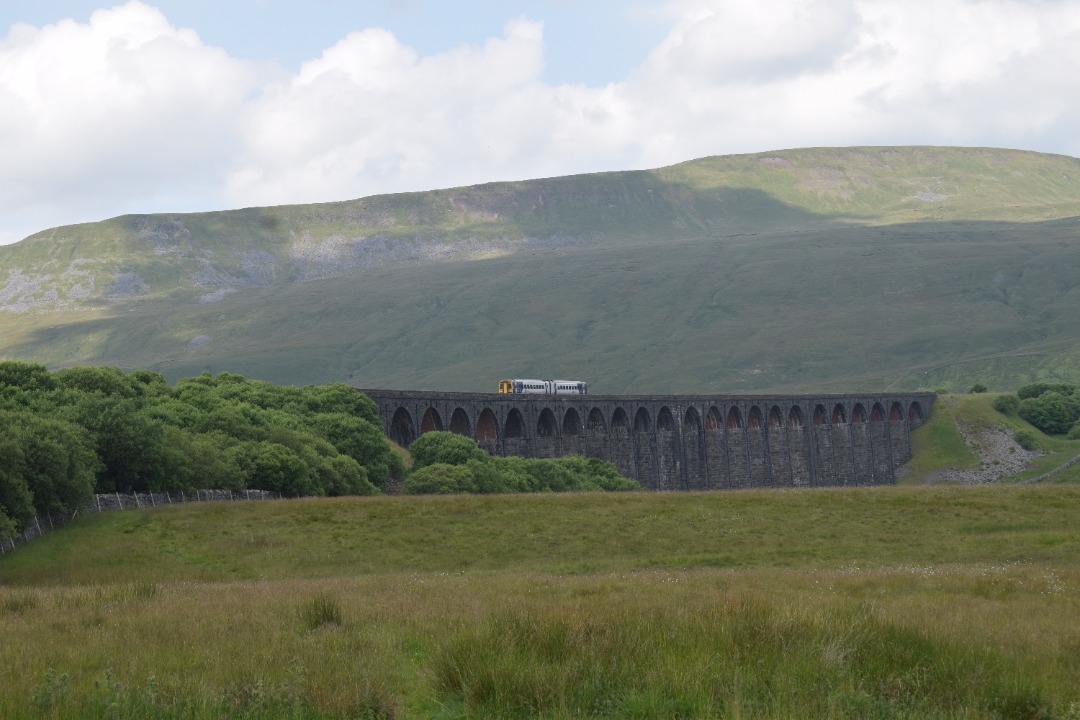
(144, 106)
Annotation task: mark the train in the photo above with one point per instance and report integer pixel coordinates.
(543, 387)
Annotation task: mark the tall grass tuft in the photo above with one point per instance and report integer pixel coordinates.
(320, 611)
(19, 602)
(739, 657)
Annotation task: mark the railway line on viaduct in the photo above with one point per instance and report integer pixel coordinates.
(682, 442)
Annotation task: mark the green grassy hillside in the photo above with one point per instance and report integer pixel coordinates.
(894, 602)
(858, 268)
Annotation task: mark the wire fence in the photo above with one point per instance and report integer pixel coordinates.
(120, 501)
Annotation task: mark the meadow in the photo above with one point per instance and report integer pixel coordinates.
(892, 602)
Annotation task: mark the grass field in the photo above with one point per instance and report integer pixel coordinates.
(898, 602)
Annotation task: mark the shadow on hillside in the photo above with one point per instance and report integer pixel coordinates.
(318, 329)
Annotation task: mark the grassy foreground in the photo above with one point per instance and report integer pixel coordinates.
(884, 603)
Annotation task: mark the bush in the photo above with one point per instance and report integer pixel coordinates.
(1052, 412)
(602, 473)
(499, 475)
(1006, 404)
(1074, 433)
(440, 479)
(978, 388)
(1041, 388)
(1027, 440)
(489, 475)
(444, 447)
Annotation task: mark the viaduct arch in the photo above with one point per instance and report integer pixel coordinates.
(681, 442)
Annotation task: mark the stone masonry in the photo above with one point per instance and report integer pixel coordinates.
(681, 442)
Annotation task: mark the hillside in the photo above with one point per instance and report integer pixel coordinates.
(856, 268)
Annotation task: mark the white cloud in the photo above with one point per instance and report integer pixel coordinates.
(740, 76)
(370, 116)
(125, 106)
(128, 111)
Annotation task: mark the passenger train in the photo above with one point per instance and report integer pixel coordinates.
(544, 387)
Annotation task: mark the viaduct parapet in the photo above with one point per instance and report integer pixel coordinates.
(681, 442)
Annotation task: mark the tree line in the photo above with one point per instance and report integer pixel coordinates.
(70, 433)
(1054, 408)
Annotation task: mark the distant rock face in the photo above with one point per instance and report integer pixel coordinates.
(72, 288)
(169, 237)
(127, 284)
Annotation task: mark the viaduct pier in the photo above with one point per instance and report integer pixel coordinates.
(681, 442)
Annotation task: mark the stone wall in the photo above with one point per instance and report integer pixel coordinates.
(682, 442)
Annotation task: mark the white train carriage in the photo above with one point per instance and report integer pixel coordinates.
(543, 387)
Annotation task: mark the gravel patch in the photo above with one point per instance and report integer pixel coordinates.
(1000, 456)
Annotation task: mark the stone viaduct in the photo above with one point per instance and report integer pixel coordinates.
(681, 442)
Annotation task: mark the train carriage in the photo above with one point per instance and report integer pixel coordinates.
(543, 387)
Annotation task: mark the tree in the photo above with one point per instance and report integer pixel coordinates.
(338, 398)
(277, 468)
(1052, 412)
(108, 381)
(8, 527)
(31, 377)
(341, 475)
(16, 500)
(1040, 388)
(59, 465)
(361, 440)
(1006, 404)
(444, 447)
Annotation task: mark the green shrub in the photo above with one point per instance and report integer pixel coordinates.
(1074, 433)
(602, 473)
(1027, 440)
(444, 447)
(1041, 388)
(489, 475)
(499, 475)
(1006, 404)
(1052, 412)
(978, 388)
(440, 479)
